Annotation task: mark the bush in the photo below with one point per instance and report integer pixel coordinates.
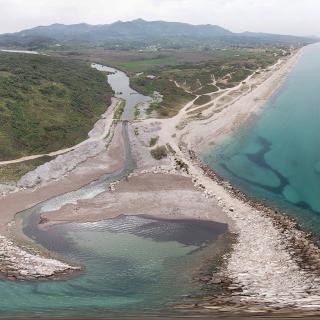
(153, 141)
(159, 152)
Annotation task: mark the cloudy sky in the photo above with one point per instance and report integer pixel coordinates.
(300, 17)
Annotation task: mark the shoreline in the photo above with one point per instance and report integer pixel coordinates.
(273, 264)
(263, 269)
(298, 242)
(226, 119)
(268, 267)
(197, 176)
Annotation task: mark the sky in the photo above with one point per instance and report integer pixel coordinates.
(297, 17)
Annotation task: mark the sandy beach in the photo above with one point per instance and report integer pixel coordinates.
(228, 109)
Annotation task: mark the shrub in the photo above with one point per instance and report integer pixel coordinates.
(159, 152)
(153, 141)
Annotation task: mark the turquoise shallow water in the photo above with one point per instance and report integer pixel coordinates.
(276, 158)
(133, 265)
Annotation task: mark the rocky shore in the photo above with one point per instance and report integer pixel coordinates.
(273, 264)
(18, 263)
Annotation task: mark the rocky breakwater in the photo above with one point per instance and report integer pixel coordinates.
(273, 265)
(17, 263)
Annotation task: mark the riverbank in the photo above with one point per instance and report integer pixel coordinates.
(18, 262)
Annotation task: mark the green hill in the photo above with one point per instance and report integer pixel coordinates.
(139, 33)
(47, 103)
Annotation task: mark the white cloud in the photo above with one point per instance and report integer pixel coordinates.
(279, 16)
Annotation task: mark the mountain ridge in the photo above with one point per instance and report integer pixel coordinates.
(139, 30)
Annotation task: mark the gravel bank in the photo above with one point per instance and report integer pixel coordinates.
(19, 264)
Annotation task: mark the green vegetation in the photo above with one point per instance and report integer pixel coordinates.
(153, 141)
(159, 153)
(47, 103)
(181, 165)
(11, 173)
(136, 112)
(240, 75)
(180, 73)
(208, 88)
(173, 97)
(145, 63)
(202, 100)
(197, 73)
(119, 111)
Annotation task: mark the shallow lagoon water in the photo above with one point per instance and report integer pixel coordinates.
(132, 264)
(276, 158)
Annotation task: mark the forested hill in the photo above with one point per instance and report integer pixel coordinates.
(141, 32)
(47, 103)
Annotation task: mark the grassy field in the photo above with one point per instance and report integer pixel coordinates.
(47, 103)
(13, 172)
(181, 82)
(202, 100)
(145, 64)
